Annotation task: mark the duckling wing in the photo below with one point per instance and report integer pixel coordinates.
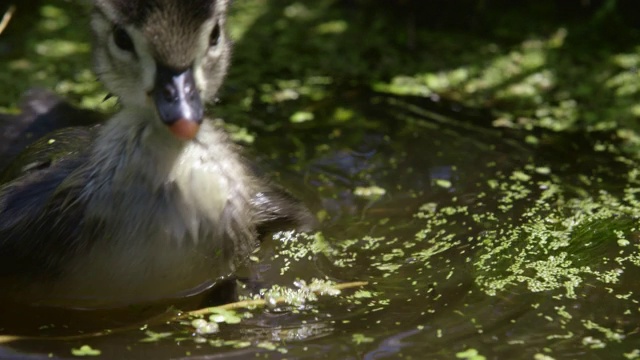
(41, 112)
(277, 209)
(39, 211)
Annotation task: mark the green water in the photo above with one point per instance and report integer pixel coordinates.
(482, 232)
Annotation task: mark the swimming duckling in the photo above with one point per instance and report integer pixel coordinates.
(155, 203)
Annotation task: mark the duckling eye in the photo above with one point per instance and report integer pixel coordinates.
(214, 38)
(122, 39)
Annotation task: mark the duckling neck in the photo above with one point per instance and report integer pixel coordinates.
(163, 217)
(141, 170)
(133, 146)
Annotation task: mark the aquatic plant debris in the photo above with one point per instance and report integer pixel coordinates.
(200, 330)
(532, 235)
(204, 327)
(361, 339)
(543, 249)
(470, 354)
(224, 316)
(85, 350)
(153, 336)
(369, 192)
(275, 295)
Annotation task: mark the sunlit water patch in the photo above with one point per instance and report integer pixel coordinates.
(475, 242)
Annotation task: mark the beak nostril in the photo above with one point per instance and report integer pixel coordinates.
(169, 94)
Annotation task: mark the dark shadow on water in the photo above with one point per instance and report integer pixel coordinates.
(56, 322)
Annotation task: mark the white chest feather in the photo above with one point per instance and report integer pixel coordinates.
(163, 219)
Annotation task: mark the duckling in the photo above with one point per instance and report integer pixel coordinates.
(156, 203)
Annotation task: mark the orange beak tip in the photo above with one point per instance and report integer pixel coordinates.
(184, 129)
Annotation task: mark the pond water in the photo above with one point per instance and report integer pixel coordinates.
(475, 242)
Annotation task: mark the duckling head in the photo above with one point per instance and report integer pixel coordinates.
(162, 57)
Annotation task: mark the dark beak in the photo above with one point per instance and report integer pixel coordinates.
(178, 101)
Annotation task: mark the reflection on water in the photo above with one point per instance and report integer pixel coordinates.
(479, 244)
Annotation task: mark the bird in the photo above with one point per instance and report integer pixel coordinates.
(154, 203)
